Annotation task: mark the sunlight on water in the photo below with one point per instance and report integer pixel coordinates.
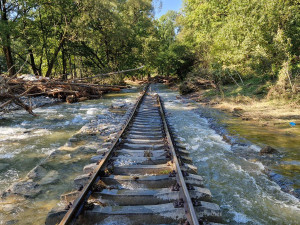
(244, 192)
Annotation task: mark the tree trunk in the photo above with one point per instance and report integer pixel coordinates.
(64, 72)
(80, 68)
(100, 64)
(32, 63)
(70, 65)
(6, 40)
(9, 60)
(54, 57)
(40, 63)
(74, 65)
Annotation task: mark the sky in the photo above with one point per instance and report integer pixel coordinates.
(166, 6)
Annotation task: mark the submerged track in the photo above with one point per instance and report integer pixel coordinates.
(143, 178)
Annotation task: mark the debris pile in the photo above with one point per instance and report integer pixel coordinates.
(13, 90)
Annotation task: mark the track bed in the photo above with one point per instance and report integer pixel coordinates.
(142, 179)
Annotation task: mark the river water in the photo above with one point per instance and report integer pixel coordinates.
(26, 141)
(239, 185)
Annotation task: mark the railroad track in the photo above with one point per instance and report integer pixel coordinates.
(143, 178)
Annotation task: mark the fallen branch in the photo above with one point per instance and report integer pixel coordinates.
(18, 102)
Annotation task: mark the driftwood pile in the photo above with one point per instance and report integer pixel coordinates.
(13, 89)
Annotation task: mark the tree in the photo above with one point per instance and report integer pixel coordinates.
(250, 38)
(173, 57)
(5, 35)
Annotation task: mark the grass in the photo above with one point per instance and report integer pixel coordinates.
(251, 88)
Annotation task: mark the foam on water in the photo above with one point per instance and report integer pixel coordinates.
(25, 122)
(255, 148)
(260, 166)
(6, 156)
(92, 111)
(5, 131)
(20, 133)
(241, 218)
(78, 120)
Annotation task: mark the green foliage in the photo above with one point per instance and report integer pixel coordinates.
(225, 41)
(79, 37)
(250, 38)
(173, 57)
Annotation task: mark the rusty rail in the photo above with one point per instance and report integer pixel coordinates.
(189, 208)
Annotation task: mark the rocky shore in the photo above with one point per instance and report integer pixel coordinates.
(259, 152)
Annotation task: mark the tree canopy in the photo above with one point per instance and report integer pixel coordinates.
(59, 37)
(230, 40)
(249, 37)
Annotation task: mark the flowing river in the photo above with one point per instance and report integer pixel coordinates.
(26, 141)
(245, 194)
(239, 185)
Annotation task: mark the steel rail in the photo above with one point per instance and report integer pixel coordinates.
(78, 204)
(190, 211)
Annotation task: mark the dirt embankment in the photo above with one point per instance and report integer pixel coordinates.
(265, 112)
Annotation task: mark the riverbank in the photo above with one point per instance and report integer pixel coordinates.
(263, 111)
(240, 119)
